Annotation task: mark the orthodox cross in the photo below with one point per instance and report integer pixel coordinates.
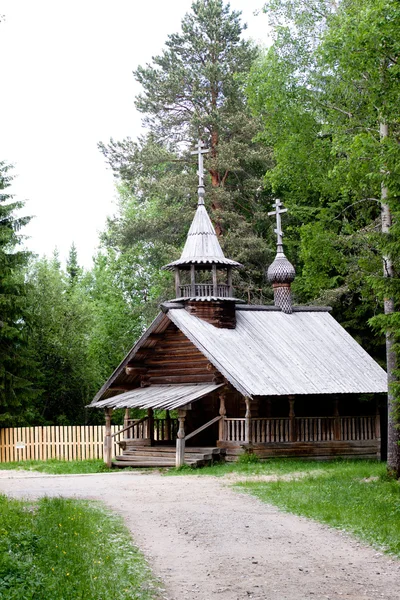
(200, 151)
(277, 212)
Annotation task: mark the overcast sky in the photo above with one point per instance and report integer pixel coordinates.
(67, 83)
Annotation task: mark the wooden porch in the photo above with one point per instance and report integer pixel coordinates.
(155, 441)
(319, 437)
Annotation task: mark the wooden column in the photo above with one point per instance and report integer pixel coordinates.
(229, 281)
(292, 421)
(177, 282)
(378, 430)
(192, 280)
(126, 423)
(222, 412)
(108, 439)
(180, 439)
(150, 425)
(215, 280)
(247, 425)
(167, 432)
(337, 433)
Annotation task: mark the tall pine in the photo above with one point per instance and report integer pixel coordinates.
(16, 369)
(195, 89)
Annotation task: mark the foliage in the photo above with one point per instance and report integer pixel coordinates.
(59, 340)
(195, 88)
(322, 91)
(16, 391)
(70, 549)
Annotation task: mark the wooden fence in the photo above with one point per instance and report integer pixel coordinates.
(303, 429)
(62, 442)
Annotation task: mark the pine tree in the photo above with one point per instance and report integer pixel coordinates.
(195, 89)
(16, 369)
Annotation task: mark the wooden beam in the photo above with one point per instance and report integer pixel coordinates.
(193, 280)
(120, 388)
(247, 420)
(222, 412)
(153, 337)
(180, 439)
(215, 280)
(177, 282)
(135, 369)
(108, 438)
(229, 281)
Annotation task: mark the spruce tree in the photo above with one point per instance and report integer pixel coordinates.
(16, 369)
(195, 89)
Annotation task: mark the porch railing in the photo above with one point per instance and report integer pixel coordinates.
(303, 429)
(205, 289)
(165, 430)
(140, 429)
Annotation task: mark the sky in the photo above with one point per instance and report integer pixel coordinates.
(67, 83)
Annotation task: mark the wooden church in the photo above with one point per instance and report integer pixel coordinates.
(218, 377)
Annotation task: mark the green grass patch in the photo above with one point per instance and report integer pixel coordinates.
(58, 467)
(250, 465)
(62, 549)
(355, 496)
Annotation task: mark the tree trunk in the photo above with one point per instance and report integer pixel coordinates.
(215, 178)
(393, 450)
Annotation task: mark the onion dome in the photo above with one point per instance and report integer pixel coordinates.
(281, 270)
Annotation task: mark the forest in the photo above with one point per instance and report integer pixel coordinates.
(312, 120)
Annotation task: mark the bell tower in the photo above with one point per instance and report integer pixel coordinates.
(203, 276)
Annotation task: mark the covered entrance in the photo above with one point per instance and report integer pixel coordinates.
(173, 439)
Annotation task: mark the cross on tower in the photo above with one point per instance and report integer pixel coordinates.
(277, 212)
(200, 151)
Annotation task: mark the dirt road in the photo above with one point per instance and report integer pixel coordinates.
(206, 541)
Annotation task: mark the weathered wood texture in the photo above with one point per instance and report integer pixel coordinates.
(174, 359)
(303, 429)
(64, 443)
(318, 450)
(219, 314)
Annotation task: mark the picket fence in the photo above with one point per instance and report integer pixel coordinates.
(62, 442)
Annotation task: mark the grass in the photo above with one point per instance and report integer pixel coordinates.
(58, 467)
(249, 465)
(352, 495)
(62, 549)
(356, 497)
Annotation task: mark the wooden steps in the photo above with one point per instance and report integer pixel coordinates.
(164, 456)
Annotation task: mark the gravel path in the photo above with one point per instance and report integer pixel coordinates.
(206, 541)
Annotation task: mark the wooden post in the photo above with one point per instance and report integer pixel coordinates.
(292, 421)
(150, 425)
(177, 282)
(247, 427)
(229, 282)
(337, 433)
(378, 430)
(167, 432)
(222, 412)
(215, 280)
(108, 439)
(126, 423)
(180, 439)
(192, 281)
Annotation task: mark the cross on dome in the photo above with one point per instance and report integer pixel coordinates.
(200, 151)
(279, 210)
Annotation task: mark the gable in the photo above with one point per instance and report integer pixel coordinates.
(162, 356)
